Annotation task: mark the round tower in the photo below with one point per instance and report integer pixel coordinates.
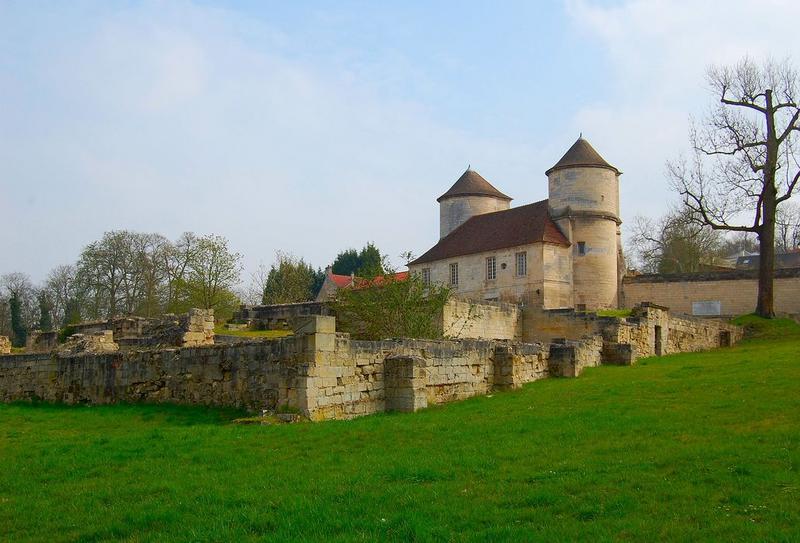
(470, 195)
(584, 202)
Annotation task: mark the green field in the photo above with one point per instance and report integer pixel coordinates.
(702, 447)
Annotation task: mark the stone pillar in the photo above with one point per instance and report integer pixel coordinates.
(404, 380)
(504, 366)
(569, 358)
(316, 340)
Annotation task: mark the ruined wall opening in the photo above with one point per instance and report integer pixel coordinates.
(658, 342)
(725, 338)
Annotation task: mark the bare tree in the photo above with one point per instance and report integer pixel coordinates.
(62, 287)
(787, 228)
(745, 159)
(675, 243)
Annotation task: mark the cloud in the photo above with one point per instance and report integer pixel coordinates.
(658, 53)
(173, 117)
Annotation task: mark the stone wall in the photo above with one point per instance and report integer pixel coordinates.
(734, 292)
(326, 375)
(469, 320)
(5, 345)
(650, 331)
(279, 316)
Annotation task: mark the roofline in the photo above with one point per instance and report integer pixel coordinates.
(451, 257)
(483, 194)
(568, 166)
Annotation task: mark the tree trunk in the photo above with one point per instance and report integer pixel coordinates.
(766, 233)
(766, 265)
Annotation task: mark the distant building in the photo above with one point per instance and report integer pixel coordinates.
(782, 260)
(333, 282)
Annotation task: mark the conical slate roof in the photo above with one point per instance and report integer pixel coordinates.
(472, 184)
(581, 154)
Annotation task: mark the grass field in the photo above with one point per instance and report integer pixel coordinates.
(701, 447)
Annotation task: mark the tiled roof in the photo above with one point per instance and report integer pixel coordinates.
(472, 184)
(581, 154)
(491, 231)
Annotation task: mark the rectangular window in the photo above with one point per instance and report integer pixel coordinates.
(426, 276)
(454, 274)
(582, 248)
(491, 268)
(522, 264)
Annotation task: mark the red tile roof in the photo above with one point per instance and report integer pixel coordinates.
(513, 227)
(345, 281)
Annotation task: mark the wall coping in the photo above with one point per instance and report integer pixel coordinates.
(733, 275)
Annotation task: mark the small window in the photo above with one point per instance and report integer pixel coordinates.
(454, 274)
(582, 248)
(426, 276)
(522, 264)
(491, 268)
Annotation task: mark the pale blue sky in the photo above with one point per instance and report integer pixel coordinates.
(313, 127)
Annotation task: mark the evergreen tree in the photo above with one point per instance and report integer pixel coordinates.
(20, 332)
(72, 312)
(367, 263)
(291, 280)
(370, 262)
(346, 262)
(45, 314)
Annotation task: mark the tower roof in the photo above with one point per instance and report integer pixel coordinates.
(472, 184)
(581, 154)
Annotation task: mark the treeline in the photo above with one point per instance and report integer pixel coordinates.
(124, 273)
(146, 274)
(678, 242)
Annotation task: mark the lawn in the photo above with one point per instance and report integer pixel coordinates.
(681, 448)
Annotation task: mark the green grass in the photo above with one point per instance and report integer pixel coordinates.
(693, 447)
(757, 327)
(614, 313)
(269, 334)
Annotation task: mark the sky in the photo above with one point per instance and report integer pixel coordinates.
(312, 127)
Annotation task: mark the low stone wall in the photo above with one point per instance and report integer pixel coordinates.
(650, 331)
(326, 375)
(722, 293)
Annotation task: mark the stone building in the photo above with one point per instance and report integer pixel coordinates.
(557, 253)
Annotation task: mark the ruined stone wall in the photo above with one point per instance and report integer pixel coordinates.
(5, 345)
(253, 376)
(326, 375)
(734, 292)
(650, 331)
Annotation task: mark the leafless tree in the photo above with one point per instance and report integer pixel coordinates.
(745, 158)
(62, 286)
(787, 228)
(675, 243)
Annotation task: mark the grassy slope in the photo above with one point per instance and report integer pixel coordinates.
(686, 447)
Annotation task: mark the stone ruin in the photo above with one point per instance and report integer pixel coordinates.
(92, 343)
(5, 345)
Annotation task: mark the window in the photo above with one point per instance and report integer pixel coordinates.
(582, 248)
(491, 268)
(454, 274)
(522, 264)
(426, 276)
